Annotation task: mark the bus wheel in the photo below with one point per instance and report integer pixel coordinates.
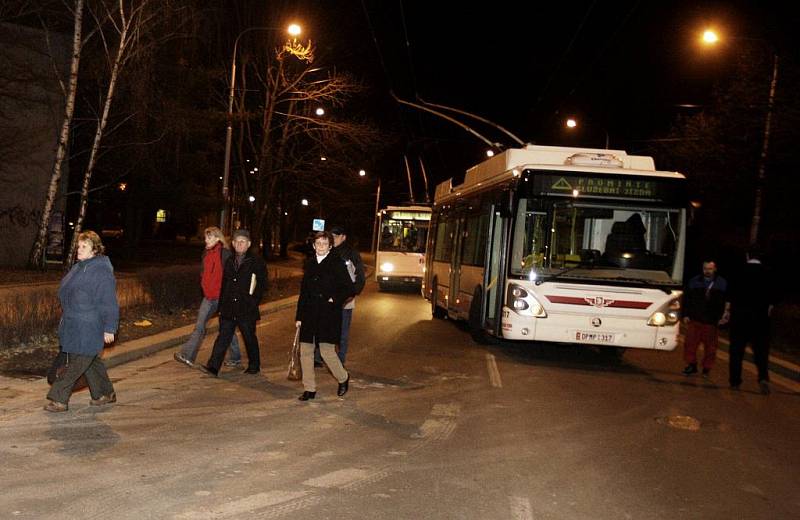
(436, 311)
(475, 326)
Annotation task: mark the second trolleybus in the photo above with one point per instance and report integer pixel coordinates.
(567, 245)
(400, 252)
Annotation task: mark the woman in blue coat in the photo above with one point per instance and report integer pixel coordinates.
(325, 288)
(89, 319)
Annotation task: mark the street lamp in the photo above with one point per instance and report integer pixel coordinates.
(710, 37)
(573, 123)
(294, 31)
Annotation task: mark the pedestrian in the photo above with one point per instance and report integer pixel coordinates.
(325, 288)
(750, 301)
(355, 268)
(704, 311)
(244, 281)
(89, 320)
(215, 256)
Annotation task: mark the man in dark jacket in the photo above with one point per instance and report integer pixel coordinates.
(355, 267)
(751, 297)
(244, 281)
(703, 310)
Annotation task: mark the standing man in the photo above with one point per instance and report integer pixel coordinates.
(750, 298)
(244, 281)
(355, 266)
(704, 311)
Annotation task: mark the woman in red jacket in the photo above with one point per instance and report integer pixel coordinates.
(211, 268)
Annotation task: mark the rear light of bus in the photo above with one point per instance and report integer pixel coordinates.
(523, 303)
(669, 314)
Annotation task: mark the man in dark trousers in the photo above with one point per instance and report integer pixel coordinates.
(750, 300)
(244, 281)
(703, 309)
(355, 267)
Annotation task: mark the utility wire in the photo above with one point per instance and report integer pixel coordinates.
(408, 50)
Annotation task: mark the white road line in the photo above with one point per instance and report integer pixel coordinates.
(773, 377)
(494, 374)
(521, 508)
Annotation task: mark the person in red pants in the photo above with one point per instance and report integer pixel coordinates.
(704, 311)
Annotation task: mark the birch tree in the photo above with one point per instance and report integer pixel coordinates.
(37, 251)
(126, 23)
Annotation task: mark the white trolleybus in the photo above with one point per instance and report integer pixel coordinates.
(567, 245)
(400, 254)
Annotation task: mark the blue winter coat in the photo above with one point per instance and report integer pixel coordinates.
(88, 296)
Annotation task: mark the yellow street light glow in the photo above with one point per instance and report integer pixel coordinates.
(294, 30)
(571, 123)
(320, 111)
(323, 158)
(710, 37)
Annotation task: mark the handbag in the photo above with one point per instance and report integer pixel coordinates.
(295, 372)
(59, 367)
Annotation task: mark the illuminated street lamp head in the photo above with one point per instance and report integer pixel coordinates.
(251, 198)
(304, 202)
(294, 30)
(571, 123)
(320, 111)
(710, 37)
(489, 153)
(362, 173)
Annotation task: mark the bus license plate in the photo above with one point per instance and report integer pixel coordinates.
(594, 337)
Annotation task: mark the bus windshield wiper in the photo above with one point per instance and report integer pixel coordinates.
(556, 276)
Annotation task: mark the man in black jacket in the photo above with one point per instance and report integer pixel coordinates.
(751, 296)
(243, 284)
(355, 266)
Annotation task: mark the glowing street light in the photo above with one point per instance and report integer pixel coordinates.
(710, 38)
(489, 153)
(320, 111)
(572, 123)
(294, 30)
(304, 202)
(362, 173)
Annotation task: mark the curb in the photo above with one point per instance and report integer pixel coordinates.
(144, 346)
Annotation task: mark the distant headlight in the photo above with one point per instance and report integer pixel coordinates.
(387, 267)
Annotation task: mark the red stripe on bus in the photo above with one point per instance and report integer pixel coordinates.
(623, 304)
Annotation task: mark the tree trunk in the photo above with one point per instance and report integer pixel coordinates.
(98, 135)
(36, 258)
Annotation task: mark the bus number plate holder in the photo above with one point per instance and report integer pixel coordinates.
(594, 337)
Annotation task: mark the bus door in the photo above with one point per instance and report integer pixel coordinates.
(494, 274)
(455, 264)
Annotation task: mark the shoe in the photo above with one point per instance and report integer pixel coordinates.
(55, 406)
(307, 396)
(690, 369)
(180, 358)
(251, 370)
(706, 372)
(764, 387)
(105, 399)
(343, 387)
(231, 363)
(208, 370)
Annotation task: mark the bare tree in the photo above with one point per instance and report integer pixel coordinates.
(37, 251)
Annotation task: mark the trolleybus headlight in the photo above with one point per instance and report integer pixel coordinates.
(387, 267)
(668, 314)
(523, 302)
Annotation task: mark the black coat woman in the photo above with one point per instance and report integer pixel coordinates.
(325, 288)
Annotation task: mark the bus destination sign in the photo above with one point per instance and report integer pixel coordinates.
(606, 186)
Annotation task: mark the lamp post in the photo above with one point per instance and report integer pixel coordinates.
(709, 38)
(572, 123)
(293, 30)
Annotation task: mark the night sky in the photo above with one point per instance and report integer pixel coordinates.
(628, 68)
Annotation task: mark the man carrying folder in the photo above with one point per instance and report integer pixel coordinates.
(244, 281)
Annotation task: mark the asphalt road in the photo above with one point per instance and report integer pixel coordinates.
(434, 426)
